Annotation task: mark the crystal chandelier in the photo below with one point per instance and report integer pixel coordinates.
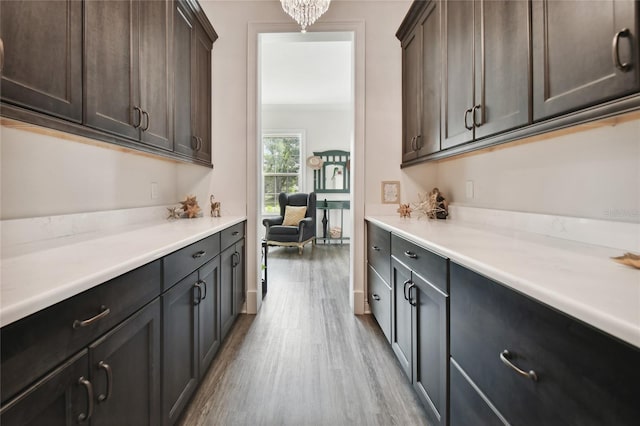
(305, 12)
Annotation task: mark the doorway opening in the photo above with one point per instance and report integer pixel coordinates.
(306, 110)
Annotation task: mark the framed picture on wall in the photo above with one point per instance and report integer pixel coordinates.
(390, 192)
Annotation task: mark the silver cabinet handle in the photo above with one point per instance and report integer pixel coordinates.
(82, 417)
(473, 115)
(199, 254)
(505, 357)
(615, 50)
(139, 111)
(235, 262)
(234, 233)
(410, 299)
(413, 142)
(1, 55)
(404, 291)
(198, 143)
(197, 300)
(418, 146)
(104, 313)
(146, 115)
(375, 297)
(194, 138)
(410, 254)
(107, 369)
(466, 114)
(204, 286)
(375, 248)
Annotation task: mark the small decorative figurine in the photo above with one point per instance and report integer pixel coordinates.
(215, 207)
(404, 210)
(190, 207)
(173, 213)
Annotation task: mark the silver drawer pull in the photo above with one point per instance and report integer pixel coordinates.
(199, 254)
(104, 313)
(234, 233)
(375, 248)
(82, 417)
(410, 254)
(624, 67)
(375, 297)
(505, 357)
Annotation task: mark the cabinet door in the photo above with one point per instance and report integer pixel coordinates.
(239, 282)
(125, 371)
(411, 86)
(202, 95)
(401, 333)
(155, 49)
(61, 398)
(573, 62)
(208, 315)
(457, 123)
(430, 348)
(179, 347)
(227, 260)
(183, 51)
(502, 66)
(429, 140)
(468, 406)
(43, 56)
(111, 65)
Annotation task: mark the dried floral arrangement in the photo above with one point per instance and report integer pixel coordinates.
(189, 207)
(404, 210)
(432, 205)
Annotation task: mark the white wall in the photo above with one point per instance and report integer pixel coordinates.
(44, 175)
(593, 173)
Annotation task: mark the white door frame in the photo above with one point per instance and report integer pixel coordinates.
(356, 264)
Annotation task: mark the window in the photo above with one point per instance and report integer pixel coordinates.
(281, 168)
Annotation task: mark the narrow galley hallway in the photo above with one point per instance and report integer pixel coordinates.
(305, 359)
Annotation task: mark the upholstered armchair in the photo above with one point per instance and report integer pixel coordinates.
(296, 225)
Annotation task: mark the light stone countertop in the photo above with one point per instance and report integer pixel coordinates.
(576, 278)
(39, 274)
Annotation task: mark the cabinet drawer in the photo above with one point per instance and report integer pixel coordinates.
(38, 343)
(468, 406)
(232, 234)
(583, 375)
(379, 250)
(430, 266)
(181, 263)
(380, 301)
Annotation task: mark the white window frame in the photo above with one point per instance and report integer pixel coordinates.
(301, 135)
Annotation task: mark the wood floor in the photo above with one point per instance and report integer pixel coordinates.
(305, 359)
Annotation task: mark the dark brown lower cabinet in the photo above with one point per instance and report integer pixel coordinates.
(115, 381)
(420, 337)
(468, 406)
(571, 373)
(191, 336)
(232, 285)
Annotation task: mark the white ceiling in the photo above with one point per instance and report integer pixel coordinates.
(310, 68)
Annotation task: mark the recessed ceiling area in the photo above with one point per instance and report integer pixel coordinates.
(310, 68)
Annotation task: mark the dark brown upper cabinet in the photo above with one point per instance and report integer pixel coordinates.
(486, 67)
(421, 63)
(583, 54)
(42, 56)
(127, 70)
(192, 88)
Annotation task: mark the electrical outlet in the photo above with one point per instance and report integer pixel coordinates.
(469, 190)
(154, 190)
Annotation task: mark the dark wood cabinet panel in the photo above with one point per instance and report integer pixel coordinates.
(458, 79)
(429, 139)
(59, 399)
(379, 296)
(411, 108)
(208, 315)
(184, 86)
(154, 74)
(573, 62)
(202, 96)
(379, 250)
(430, 350)
(402, 317)
(583, 376)
(181, 263)
(227, 305)
(125, 371)
(35, 33)
(468, 406)
(423, 261)
(502, 66)
(239, 283)
(111, 67)
(180, 340)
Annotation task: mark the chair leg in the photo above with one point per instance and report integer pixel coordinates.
(300, 248)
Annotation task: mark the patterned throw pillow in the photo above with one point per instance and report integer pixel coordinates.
(293, 215)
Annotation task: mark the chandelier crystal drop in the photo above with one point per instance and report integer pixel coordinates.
(305, 12)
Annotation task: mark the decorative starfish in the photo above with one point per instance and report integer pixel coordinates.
(189, 201)
(404, 210)
(173, 213)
